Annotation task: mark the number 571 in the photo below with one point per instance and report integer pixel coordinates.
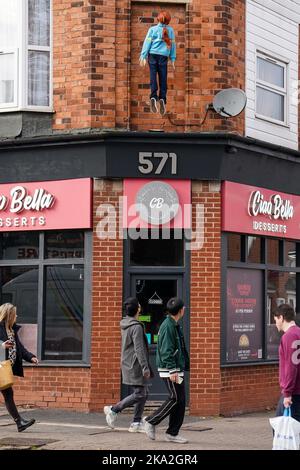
(146, 162)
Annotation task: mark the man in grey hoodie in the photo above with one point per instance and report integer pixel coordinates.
(136, 370)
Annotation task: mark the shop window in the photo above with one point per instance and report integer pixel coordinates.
(19, 286)
(25, 65)
(244, 315)
(49, 295)
(290, 254)
(253, 296)
(273, 251)
(63, 335)
(254, 250)
(64, 244)
(157, 248)
(235, 247)
(19, 245)
(281, 290)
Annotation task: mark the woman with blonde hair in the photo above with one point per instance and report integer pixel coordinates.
(15, 352)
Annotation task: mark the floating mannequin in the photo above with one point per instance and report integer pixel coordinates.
(159, 45)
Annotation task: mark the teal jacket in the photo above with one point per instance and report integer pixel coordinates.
(154, 43)
(171, 354)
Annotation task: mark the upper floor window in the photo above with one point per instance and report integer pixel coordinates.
(271, 89)
(25, 55)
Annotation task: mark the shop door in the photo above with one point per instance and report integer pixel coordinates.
(153, 292)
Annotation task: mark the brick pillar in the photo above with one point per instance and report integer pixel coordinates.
(106, 301)
(205, 376)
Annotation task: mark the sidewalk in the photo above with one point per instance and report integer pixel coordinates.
(69, 430)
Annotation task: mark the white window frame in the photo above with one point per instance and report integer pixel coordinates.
(14, 103)
(22, 65)
(273, 88)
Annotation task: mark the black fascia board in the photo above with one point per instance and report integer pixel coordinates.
(200, 156)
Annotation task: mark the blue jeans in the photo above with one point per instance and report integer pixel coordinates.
(137, 398)
(158, 65)
(295, 408)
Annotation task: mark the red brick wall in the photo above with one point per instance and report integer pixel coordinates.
(246, 389)
(99, 84)
(107, 291)
(205, 378)
(54, 387)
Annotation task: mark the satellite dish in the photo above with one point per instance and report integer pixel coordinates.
(230, 102)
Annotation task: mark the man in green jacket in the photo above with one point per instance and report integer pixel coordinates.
(172, 360)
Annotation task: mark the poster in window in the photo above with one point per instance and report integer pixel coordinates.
(244, 315)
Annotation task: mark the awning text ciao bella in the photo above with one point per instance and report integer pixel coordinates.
(20, 201)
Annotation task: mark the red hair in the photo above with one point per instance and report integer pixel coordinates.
(164, 17)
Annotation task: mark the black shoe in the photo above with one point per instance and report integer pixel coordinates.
(153, 105)
(23, 424)
(162, 107)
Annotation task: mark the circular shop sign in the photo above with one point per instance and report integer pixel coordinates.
(157, 203)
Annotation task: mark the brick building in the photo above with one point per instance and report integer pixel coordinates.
(75, 124)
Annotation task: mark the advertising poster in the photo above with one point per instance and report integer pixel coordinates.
(244, 315)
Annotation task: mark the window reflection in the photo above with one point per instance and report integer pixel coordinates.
(19, 245)
(64, 244)
(273, 251)
(254, 250)
(281, 290)
(234, 247)
(63, 312)
(19, 286)
(290, 254)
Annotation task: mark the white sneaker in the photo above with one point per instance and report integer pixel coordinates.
(111, 416)
(177, 439)
(153, 105)
(136, 427)
(162, 107)
(149, 429)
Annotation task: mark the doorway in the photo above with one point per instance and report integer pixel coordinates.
(156, 268)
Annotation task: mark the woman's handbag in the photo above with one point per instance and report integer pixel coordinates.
(6, 375)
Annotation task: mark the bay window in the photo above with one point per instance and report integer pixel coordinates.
(25, 55)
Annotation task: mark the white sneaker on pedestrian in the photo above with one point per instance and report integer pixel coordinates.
(149, 429)
(177, 439)
(136, 427)
(111, 416)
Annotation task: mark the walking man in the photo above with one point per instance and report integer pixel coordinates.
(172, 360)
(289, 361)
(135, 366)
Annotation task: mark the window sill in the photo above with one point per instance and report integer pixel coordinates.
(272, 121)
(58, 364)
(249, 364)
(26, 110)
(25, 123)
